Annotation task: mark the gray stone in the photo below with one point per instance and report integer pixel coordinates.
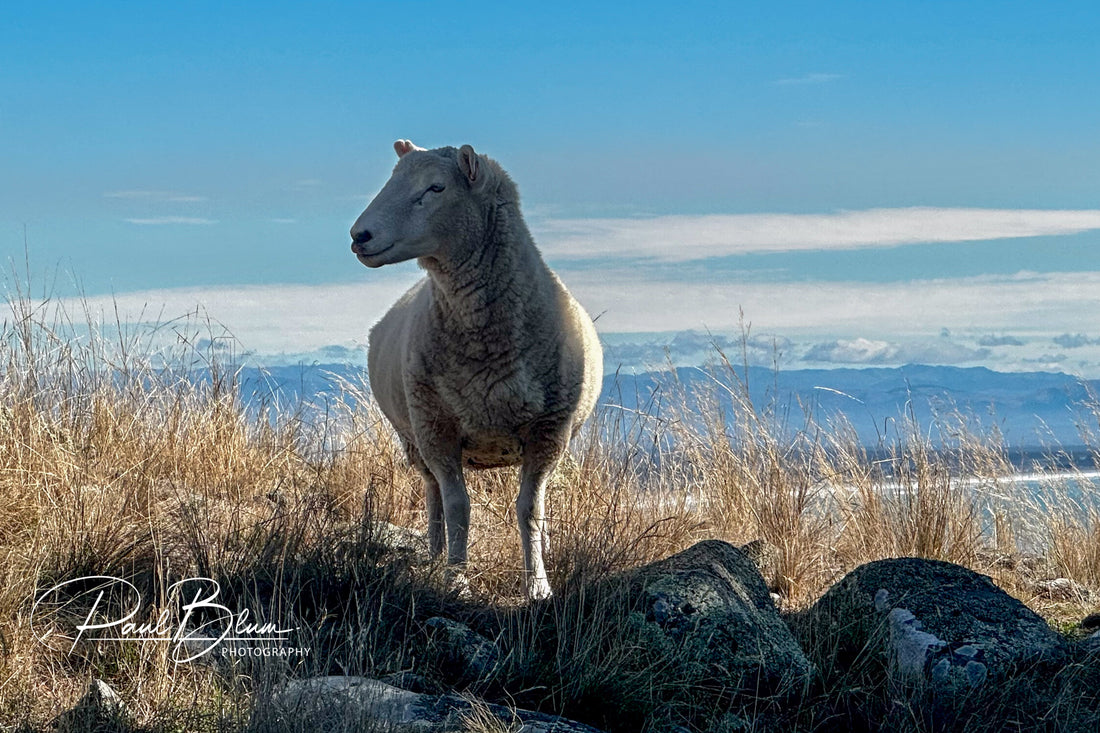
(360, 703)
(463, 654)
(1062, 589)
(765, 556)
(1090, 646)
(706, 616)
(412, 682)
(967, 651)
(402, 540)
(101, 708)
(927, 623)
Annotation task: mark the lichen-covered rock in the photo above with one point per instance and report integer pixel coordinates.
(708, 609)
(402, 540)
(929, 624)
(765, 556)
(413, 682)
(359, 703)
(1090, 622)
(1062, 589)
(462, 654)
(1089, 647)
(101, 708)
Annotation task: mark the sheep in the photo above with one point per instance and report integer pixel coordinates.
(487, 361)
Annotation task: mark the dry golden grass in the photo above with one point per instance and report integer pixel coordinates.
(116, 460)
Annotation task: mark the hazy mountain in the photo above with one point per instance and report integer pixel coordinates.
(1030, 410)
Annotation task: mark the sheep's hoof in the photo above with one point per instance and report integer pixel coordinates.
(538, 589)
(457, 581)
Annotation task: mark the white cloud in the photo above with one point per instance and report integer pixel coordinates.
(868, 351)
(162, 220)
(816, 78)
(854, 351)
(683, 238)
(265, 318)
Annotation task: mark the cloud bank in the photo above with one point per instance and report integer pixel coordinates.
(1006, 318)
(836, 322)
(1049, 303)
(685, 238)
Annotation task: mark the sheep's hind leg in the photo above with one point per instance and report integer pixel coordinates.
(451, 506)
(448, 506)
(538, 465)
(440, 451)
(433, 504)
(456, 513)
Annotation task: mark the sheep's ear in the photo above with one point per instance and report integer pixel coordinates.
(470, 164)
(404, 147)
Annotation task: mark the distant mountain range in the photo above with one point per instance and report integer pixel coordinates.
(1033, 411)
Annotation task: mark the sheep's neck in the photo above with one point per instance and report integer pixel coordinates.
(493, 286)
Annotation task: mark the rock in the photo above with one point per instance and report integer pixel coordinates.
(926, 624)
(383, 542)
(462, 654)
(1090, 622)
(101, 708)
(1062, 589)
(765, 556)
(1090, 646)
(412, 682)
(360, 703)
(707, 611)
(402, 540)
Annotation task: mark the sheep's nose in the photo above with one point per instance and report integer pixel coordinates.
(360, 237)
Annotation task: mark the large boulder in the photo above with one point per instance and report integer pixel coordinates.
(708, 609)
(928, 625)
(689, 640)
(358, 703)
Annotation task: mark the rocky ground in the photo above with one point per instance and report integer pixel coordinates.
(695, 642)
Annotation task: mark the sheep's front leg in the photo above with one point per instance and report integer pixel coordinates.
(539, 463)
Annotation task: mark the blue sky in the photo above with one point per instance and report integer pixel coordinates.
(821, 166)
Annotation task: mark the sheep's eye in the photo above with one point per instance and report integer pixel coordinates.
(436, 188)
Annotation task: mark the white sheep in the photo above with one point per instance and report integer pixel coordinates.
(488, 361)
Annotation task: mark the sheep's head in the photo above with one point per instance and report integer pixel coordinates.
(430, 203)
